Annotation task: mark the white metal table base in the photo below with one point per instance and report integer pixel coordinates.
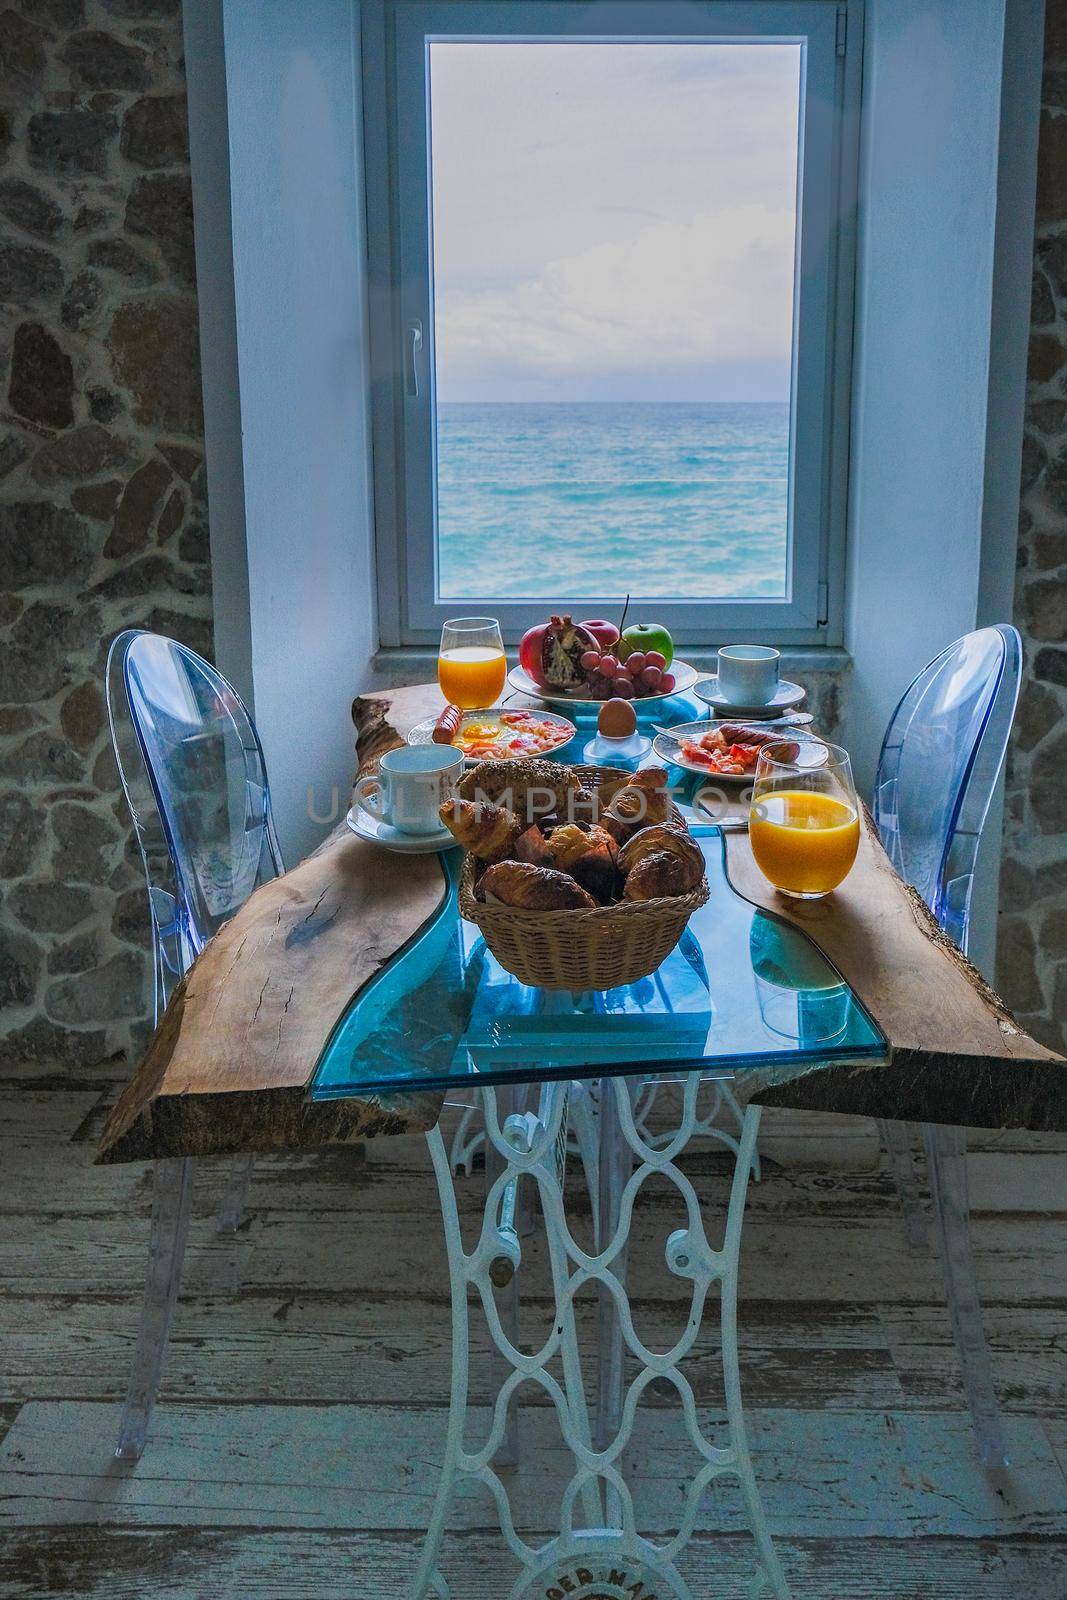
(597, 1548)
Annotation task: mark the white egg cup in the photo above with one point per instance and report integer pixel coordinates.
(604, 752)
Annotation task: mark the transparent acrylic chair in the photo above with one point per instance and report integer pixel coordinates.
(941, 757)
(195, 781)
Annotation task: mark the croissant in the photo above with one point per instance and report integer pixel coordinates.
(659, 837)
(518, 883)
(589, 857)
(531, 789)
(532, 846)
(568, 842)
(635, 807)
(655, 876)
(646, 778)
(488, 832)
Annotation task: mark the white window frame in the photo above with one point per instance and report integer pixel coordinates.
(396, 35)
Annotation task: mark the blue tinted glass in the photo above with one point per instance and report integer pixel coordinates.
(741, 989)
(208, 778)
(940, 760)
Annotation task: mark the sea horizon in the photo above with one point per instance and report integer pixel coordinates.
(576, 496)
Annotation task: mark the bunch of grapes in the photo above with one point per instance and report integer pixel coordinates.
(638, 675)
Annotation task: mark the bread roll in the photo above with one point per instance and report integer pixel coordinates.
(531, 789)
(518, 883)
(654, 877)
(488, 832)
(666, 836)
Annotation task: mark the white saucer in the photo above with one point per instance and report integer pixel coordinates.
(786, 697)
(408, 844)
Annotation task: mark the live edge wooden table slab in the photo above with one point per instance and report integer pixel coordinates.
(229, 1066)
(347, 999)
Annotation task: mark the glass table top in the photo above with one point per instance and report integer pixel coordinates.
(741, 990)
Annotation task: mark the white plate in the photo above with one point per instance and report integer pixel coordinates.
(422, 733)
(406, 844)
(685, 677)
(666, 747)
(786, 697)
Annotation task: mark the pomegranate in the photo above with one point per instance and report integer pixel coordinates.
(552, 653)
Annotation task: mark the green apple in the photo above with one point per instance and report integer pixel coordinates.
(646, 636)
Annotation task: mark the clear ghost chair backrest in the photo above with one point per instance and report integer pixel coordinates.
(194, 778)
(941, 757)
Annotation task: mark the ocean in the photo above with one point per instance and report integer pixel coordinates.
(588, 499)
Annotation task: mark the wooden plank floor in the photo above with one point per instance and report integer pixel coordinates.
(294, 1451)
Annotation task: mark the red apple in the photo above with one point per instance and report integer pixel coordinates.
(605, 633)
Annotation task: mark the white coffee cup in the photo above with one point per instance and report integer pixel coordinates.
(410, 785)
(748, 674)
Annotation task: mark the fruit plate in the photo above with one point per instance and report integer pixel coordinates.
(422, 733)
(685, 677)
(667, 747)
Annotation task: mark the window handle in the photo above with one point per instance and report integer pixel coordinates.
(412, 347)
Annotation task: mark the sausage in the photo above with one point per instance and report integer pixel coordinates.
(447, 725)
(740, 733)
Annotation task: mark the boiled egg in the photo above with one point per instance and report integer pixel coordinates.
(617, 719)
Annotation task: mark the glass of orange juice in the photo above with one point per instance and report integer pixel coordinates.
(471, 666)
(804, 823)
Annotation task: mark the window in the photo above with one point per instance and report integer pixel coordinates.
(610, 265)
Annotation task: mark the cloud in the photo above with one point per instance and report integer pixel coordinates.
(611, 209)
(705, 291)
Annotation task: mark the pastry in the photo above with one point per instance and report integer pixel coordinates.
(488, 832)
(531, 789)
(570, 841)
(636, 807)
(667, 837)
(646, 778)
(589, 856)
(655, 876)
(518, 883)
(532, 846)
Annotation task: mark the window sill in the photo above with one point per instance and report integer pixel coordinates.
(397, 664)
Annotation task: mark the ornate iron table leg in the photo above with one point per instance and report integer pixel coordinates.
(598, 1549)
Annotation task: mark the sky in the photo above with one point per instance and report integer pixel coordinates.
(613, 221)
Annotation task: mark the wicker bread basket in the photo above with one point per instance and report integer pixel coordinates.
(598, 949)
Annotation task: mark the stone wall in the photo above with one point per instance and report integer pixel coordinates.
(1032, 947)
(102, 499)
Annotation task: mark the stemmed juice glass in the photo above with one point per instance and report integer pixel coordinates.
(471, 665)
(804, 822)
